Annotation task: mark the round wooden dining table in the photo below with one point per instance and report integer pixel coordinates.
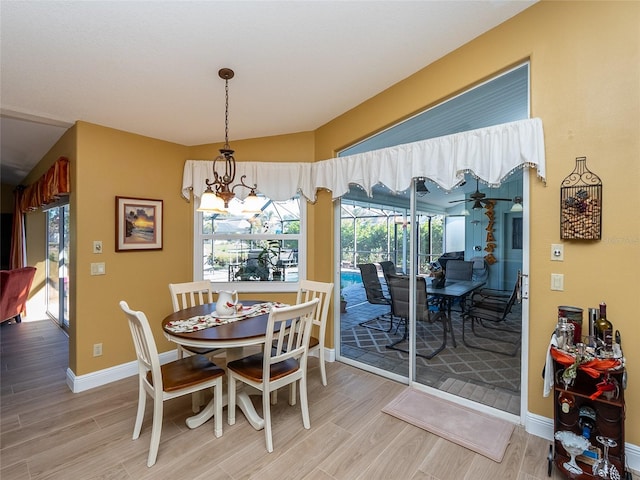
(233, 337)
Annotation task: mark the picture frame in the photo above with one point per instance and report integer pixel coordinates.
(139, 224)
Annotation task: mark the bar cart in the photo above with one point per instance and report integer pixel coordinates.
(589, 414)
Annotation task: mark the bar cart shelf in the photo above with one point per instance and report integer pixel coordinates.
(609, 423)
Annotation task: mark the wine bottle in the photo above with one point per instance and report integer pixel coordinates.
(586, 420)
(604, 329)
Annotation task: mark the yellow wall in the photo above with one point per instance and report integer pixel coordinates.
(113, 163)
(584, 86)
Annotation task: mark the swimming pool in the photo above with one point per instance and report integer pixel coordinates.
(350, 277)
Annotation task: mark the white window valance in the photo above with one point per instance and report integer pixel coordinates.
(491, 154)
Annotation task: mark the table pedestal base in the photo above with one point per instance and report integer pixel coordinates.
(244, 403)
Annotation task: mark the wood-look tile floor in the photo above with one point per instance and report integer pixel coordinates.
(48, 432)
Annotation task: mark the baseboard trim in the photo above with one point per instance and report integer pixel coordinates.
(81, 383)
(543, 427)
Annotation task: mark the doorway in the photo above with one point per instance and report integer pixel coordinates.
(57, 265)
(366, 332)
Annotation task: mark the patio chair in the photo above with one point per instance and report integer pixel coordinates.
(388, 267)
(459, 270)
(425, 312)
(375, 296)
(489, 310)
(164, 382)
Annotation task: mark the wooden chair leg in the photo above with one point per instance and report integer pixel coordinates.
(142, 401)
(266, 413)
(156, 431)
(323, 370)
(304, 403)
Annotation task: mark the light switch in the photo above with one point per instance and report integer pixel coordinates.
(98, 269)
(557, 281)
(97, 246)
(557, 252)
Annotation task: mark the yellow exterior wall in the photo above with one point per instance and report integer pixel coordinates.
(585, 79)
(584, 86)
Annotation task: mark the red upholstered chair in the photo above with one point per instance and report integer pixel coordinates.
(14, 292)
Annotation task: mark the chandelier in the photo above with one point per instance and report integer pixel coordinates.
(218, 201)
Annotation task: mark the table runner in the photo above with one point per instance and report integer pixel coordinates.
(200, 322)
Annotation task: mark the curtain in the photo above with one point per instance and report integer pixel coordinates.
(48, 189)
(491, 154)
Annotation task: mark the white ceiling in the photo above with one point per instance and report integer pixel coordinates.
(150, 67)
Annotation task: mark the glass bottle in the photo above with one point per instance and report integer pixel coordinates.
(604, 329)
(566, 400)
(564, 334)
(586, 420)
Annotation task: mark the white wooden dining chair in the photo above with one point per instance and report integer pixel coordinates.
(164, 382)
(285, 363)
(185, 295)
(309, 290)
(190, 294)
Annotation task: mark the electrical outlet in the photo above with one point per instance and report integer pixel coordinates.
(97, 349)
(97, 246)
(557, 252)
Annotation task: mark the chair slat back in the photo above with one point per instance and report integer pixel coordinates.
(309, 290)
(399, 291)
(145, 345)
(459, 270)
(282, 321)
(388, 268)
(371, 282)
(190, 294)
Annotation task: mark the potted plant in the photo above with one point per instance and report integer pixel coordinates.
(269, 258)
(343, 303)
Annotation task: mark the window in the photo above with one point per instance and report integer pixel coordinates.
(252, 252)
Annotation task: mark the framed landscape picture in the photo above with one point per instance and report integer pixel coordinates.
(138, 224)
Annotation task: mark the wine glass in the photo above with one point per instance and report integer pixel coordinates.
(603, 467)
(573, 445)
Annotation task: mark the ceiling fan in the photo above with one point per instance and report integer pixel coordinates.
(480, 199)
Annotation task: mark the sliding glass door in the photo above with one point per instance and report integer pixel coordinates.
(57, 287)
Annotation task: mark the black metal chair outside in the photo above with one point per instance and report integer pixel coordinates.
(399, 290)
(375, 295)
(460, 270)
(488, 308)
(388, 267)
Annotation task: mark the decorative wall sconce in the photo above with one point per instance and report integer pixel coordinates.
(581, 204)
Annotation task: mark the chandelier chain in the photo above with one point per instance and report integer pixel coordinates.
(226, 114)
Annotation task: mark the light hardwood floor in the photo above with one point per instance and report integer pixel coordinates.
(48, 432)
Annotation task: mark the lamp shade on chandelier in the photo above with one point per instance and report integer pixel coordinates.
(220, 190)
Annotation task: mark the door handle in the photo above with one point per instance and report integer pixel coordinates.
(524, 286)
